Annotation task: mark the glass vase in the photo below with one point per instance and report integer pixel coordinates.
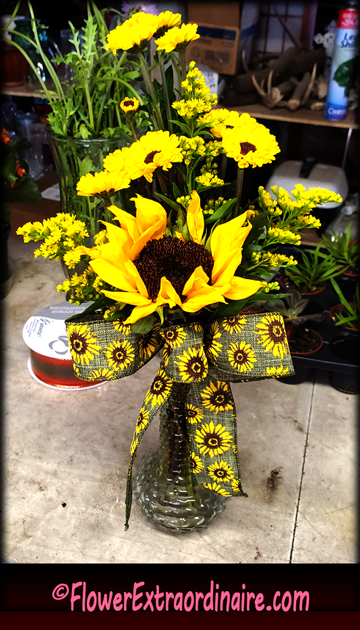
(164, 486)
(75, 157)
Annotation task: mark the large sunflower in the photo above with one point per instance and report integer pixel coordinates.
(152, 270)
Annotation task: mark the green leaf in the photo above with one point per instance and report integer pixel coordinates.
(221, 212)
(170, 202)
(144, 325)
(343, 74)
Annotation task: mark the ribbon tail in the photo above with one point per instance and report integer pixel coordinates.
(155, 398)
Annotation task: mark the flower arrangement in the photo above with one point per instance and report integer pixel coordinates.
(181, 257)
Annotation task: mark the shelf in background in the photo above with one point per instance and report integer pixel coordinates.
(302, 115)
(21, 90)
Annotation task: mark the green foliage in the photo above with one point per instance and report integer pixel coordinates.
(292, 309)
(314, 269)
(342, 250)
(350, 315)
(343, 75)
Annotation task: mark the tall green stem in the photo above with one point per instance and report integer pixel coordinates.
(165, 90)
(150, 90)
(239, 185)
(182, 64)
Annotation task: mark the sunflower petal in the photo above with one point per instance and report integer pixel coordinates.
(242, 288)
(127, 222)
(195, 218)
(148, 214)
(113, 275)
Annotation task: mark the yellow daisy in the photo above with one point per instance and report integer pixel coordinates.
(120, 354)
(218, 489)
(103, 182)
(83, 343)
(250, 143)
(272, 334)
(156, 149)
(129, 105)
(193, 365)
(195, 463)
(193, 414)
(177, 38)
(117, 160)
(213, 440)
(217, 397)
(221, 471)
(151, 270)
(135, 32)
(241, 356)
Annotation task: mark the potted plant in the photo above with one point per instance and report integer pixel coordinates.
(310, 275)
(343, 250)
(346, 313)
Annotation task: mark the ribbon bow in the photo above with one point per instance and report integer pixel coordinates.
(231, 349)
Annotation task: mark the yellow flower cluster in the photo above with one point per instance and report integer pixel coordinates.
(213, 204)
(316, 196)
(112, 309)
(192, 147)
(271, 260)
(184, 201)
(197, 96)
(272, 286)
(309, 221)
(279, 235)
(60, 234)
(84, 287)
(209, 179)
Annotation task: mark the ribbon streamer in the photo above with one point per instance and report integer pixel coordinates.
(231, 349)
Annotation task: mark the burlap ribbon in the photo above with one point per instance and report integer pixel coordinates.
(231, 349)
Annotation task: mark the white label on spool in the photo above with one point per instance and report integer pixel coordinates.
(45, 332)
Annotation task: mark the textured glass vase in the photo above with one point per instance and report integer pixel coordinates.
(75, 157)
(164, 483)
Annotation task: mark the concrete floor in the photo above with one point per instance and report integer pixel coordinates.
(72, 447)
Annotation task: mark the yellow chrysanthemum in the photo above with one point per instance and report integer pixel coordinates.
(144, 264)
(156, 149)
(103, 182)
(117, 160)
(250, 143)
(136, 31)
(167, 19)
(177, 38)
(129, 105)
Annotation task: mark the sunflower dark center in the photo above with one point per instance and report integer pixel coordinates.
(246, 147)
(150, 157)
(129, 103)
(173, 259)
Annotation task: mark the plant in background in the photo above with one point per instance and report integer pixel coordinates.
(343, 250)
(314, 270)
(16, 185)
(350, 313)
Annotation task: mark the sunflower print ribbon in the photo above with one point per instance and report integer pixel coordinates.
(231, 349)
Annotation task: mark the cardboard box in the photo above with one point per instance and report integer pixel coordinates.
(217, 48)
(225, 29)
(216, 13)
